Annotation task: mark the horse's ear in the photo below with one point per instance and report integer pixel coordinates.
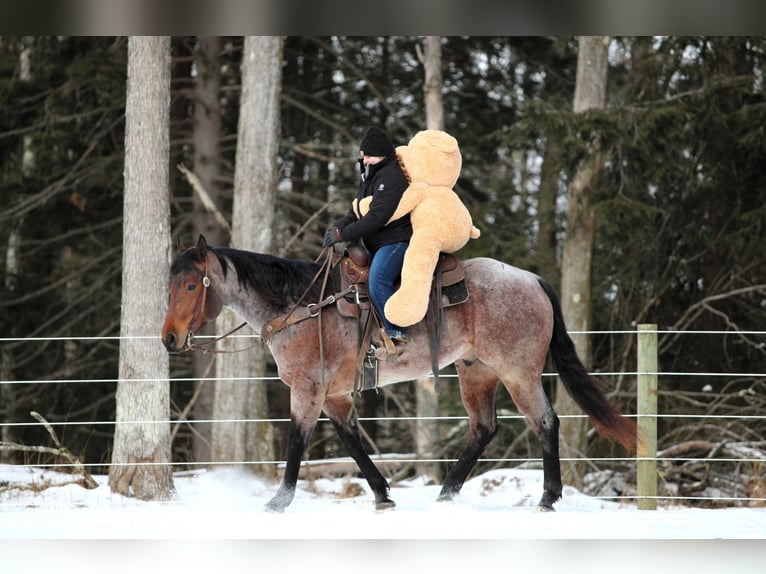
(201, 248)
(179, 244)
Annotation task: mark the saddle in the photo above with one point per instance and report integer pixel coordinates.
(353, 269)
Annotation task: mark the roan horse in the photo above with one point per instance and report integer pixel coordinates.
(502, 334)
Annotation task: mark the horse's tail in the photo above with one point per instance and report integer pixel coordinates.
(583, 388)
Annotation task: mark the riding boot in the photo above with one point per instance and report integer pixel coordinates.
(388, 344)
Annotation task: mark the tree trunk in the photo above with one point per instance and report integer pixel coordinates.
(433, 85)
(12, 255)
(427, 431)
(590, 92)
(547, 265)
(141, 457)
(253, 216)
(8, 392)
(207, 157)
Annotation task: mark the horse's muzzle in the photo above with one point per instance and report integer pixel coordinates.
(171, 344)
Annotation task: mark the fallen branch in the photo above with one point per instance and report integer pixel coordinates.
(60, 451)
(723, 449)
(717, 473)
(685, 448)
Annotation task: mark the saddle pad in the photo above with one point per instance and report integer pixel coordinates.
(454, 294)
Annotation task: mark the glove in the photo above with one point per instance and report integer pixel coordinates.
(331, 236)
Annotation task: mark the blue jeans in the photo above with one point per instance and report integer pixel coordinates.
(385, 271)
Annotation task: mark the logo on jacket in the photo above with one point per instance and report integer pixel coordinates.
(380, 187)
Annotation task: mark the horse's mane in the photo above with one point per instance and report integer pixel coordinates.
(280, 281)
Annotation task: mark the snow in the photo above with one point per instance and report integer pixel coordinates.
(226, 504)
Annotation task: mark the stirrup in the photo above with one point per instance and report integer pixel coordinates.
(388, 344)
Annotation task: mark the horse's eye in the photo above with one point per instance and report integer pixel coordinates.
(191, 286)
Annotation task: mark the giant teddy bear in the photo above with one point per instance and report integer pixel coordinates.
(440, 221)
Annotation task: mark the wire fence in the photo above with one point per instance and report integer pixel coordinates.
(754, 457)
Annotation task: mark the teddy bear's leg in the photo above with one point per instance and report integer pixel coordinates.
(409, 304)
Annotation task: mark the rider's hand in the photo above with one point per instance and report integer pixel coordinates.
(331, 236)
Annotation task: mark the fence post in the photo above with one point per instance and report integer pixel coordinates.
(647, 417)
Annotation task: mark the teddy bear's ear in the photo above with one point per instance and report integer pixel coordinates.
(447, 143)
(402, 153)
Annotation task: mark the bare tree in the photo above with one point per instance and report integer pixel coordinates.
(141, 457)
(426, 431)
(590, 93)
(13, 252)
(238, 395)
(432, 88)
(207, 158)
(546, 218)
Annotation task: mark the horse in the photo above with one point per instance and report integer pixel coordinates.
(501, 334)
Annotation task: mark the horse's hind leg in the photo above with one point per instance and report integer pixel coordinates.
(342, 414)
(531, 401)
(478, 384)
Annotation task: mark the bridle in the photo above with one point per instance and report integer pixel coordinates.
(199, 308)
(315, 308)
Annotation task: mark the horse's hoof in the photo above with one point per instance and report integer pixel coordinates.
(448, 494)
(384, 505)
(544, 508)
(274, 508)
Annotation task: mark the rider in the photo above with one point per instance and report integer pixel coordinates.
(383, 179)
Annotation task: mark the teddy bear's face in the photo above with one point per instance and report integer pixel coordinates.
(432, 156)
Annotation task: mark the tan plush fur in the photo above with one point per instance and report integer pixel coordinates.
(440, 221)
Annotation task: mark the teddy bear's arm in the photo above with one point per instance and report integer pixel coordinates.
(376, 211)
(411, 198)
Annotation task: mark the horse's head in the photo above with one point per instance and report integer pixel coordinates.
(195, 299)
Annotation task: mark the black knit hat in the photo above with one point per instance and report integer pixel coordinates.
(376, 143)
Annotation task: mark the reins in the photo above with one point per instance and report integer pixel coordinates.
(207, 346)
(327, 265)
(293, 316)
(298, 313)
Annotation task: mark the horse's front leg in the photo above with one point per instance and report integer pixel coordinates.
(305, 408)
(342, 414)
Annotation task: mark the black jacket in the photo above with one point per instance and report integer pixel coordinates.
(386, 183)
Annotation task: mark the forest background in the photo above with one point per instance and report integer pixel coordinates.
(678, 198)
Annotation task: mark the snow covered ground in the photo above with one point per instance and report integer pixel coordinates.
(227, 504)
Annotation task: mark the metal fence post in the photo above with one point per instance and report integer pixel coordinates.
(647, 417)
